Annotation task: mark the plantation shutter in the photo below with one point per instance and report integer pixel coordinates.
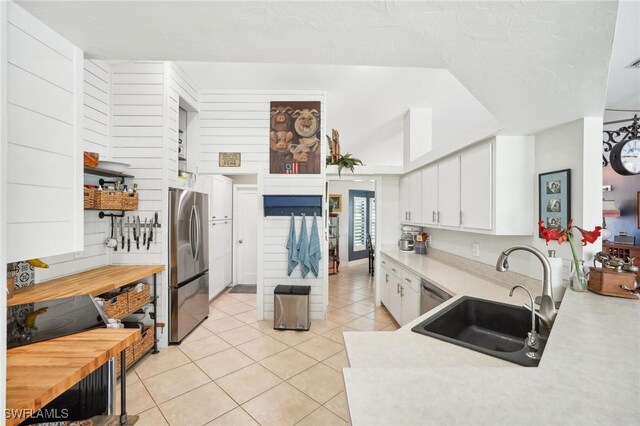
(359, 223)
(372, 220)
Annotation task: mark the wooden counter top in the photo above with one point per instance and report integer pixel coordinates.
(93, 282)
(38, 373)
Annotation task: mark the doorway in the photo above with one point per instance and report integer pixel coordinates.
(245, 233)
(362, 213)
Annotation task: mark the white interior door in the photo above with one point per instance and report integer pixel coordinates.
(246, 235)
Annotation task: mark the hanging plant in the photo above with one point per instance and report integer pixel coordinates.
(336, 159)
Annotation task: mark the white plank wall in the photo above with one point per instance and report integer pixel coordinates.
(44, 116)
(95, 124)
(238, 121)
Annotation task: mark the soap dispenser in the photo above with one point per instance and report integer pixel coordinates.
(557, 283)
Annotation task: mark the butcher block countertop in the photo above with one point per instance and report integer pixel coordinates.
(94, 282)
(38, 373)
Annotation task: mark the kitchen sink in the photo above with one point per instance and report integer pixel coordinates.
(493, 328)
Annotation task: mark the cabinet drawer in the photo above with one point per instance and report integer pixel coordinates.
(410, 280)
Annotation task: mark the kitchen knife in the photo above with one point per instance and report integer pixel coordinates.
(150, 234)
(128, 233)
(144, 235)
(122, 231)
(138, 232)
(156, 226)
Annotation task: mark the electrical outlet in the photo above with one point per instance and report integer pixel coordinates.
(475, 249)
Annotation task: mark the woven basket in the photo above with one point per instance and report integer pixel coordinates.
(130, 202)
(142, 346)
(137, 299)
(129, 354)
(116, 305)
(89, 197)
(108, 200)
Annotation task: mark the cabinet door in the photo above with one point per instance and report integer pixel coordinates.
(415, 198)
(476, 187)
(217, 243)
(395, 299)
(228, 237)
(217, 281)
(385, 278)
(216, 201)
(410, 304)
(449, 191)
(430, 195)
(405, 193)
(227, 269)
(227, 196)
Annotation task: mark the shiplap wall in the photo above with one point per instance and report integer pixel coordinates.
(238, 121)
(44, 120)
(95, 131)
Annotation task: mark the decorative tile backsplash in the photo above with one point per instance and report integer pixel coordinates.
(25, 274)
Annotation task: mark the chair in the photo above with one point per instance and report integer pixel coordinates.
(372, 255)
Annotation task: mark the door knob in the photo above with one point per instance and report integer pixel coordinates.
(240, 241)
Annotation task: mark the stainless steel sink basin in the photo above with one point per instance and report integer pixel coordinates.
(493, 328)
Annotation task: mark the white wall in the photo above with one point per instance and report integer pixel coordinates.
(576, 146)
(3, 200)
(342, 187)
(96, 121)
(44, 119)
(238, 121)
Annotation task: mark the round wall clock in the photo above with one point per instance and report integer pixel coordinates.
(625, 157)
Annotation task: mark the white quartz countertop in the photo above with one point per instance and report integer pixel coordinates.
(589, 372)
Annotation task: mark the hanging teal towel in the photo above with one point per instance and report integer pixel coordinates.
(303, 248)
(292, 246)
(313, 258)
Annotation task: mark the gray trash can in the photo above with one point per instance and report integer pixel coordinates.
(291, 307)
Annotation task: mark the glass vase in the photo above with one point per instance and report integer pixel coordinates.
(578, 278)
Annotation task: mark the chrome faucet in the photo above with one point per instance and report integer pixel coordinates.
(532, 337)
(547, 312)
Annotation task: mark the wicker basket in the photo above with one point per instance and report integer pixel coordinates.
(137, 299)
(108, 200)
(116, 305)
(129, 354)
(142, 346)
(89, 197)
(130, 202)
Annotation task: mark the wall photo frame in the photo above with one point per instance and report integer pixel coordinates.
(554, 198)
(335, 203)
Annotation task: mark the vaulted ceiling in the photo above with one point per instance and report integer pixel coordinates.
(533, 64)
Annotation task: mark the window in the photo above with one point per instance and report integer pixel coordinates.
(362, 212)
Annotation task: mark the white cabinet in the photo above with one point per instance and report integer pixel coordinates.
(384, 287)
(476, 188)
(449, 192)
(430, 195)
(220, 203)
(410, 198)
(484, 189)
(220, 256)
(401, 289)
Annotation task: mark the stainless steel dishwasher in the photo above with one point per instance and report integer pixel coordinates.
(431, 296)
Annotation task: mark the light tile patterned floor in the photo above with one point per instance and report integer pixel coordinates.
(234, 370)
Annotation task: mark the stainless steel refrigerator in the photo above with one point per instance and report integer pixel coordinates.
(188, 261)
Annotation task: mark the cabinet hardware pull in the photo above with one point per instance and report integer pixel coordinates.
(409, 216)
(460, 217)
(433, 216)
(397, 288)
(438, 217)
(401, 291)
(386, 278)
(393, 270)
(407, 280)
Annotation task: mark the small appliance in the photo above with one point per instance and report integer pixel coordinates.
(407, 239)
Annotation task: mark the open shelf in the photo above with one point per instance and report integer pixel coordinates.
(105, 173)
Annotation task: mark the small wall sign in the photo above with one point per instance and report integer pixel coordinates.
(229, 159)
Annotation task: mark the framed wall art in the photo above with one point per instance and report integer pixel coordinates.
(335, 203)
(294, 138)
(554, 195)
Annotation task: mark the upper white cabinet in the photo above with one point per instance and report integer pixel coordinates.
(476, 169)
(485, 188)
(410, 199)
(430, 195)
(44, 105)
(449, 192)
(220, 207)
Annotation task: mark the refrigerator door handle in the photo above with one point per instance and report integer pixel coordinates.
(191, 237)
(197, 233)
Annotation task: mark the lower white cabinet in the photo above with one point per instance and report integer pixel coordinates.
(400, 292)
(220, 256)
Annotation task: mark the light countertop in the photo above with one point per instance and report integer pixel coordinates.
(589, 372)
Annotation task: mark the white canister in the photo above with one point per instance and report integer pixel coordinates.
(558, 285)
